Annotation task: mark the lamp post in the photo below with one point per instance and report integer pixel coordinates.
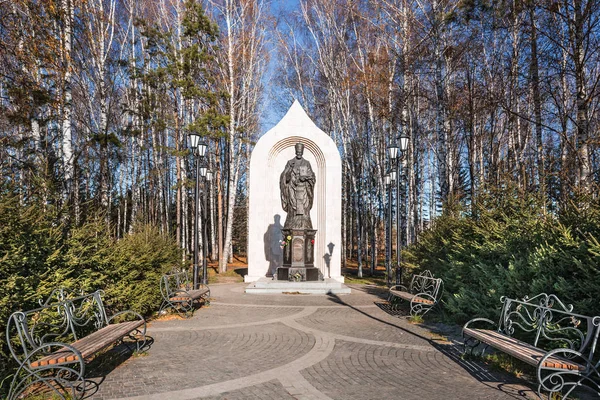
(398, 160)
(205, 227)
(393, 156)
(198, 147)
(389, 181)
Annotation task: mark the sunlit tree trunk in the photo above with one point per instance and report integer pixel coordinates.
(537, 102)
(68, 160)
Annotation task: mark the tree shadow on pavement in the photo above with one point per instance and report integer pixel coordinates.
(508, 384)
(374, 290)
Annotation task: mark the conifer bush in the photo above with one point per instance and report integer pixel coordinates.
(38, 254)
(29, 248)
(137, 263)
(509, 245)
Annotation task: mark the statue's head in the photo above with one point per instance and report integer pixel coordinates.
(299, 150)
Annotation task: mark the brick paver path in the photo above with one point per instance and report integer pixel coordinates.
(299, 347)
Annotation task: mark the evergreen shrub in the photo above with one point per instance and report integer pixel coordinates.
(510, 245)
(38, 253)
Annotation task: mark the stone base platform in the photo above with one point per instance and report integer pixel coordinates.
(271, 286)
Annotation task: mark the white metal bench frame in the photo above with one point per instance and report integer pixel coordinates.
(561, 344)
(423, 294)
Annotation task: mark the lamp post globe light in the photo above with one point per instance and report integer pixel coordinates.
(403, 143)
(393, 176)
(198, 146)
(393, 152)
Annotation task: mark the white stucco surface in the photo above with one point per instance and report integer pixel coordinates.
(267, 161)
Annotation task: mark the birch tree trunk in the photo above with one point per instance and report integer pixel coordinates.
(441, 112)
(68, 160)
(577, 32)
(242, 70)
(537, 102)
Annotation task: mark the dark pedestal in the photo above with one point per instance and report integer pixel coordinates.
(298, 256)
(283, 273)
(298, 274)
(312, 274)
(299, 250)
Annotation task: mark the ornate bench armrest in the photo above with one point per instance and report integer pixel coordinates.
(479, 320)
(399, 287)
(421, 303)
(440, 289)
(470, 342)
(566, 377)
(34, 371)
(205, 296)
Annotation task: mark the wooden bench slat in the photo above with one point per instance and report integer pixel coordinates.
(198, 292)
(193, 294)
(89, 344)
(105, 336)
(521, 350)
(410, 296)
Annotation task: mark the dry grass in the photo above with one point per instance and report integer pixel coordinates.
(235, 271)
(415, 319)
(350, 272)
(169, 316)
(239, 267)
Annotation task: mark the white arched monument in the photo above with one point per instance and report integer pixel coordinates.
(266, 215)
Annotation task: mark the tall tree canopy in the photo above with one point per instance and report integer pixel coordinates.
(97, 98)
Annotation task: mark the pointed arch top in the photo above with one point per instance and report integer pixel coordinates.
(268, 158)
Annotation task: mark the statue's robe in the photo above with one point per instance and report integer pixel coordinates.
(297, 183)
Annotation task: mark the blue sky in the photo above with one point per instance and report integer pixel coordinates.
(283, 5)
(270, 115)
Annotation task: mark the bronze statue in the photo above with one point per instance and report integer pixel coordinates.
(297, 183)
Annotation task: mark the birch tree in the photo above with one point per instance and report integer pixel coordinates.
(66, 34)
(243, 63)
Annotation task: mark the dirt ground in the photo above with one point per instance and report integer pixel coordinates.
(235, 271)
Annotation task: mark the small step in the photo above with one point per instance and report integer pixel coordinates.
(271, 286)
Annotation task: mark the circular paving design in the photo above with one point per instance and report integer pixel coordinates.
(298, 347)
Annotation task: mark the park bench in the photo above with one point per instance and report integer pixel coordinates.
(423, 293)
(178, 293)
(52, 343)
(551, 337)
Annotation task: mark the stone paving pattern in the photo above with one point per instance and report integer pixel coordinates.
(300, 347)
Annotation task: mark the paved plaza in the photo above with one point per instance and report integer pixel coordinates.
(292, 346)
